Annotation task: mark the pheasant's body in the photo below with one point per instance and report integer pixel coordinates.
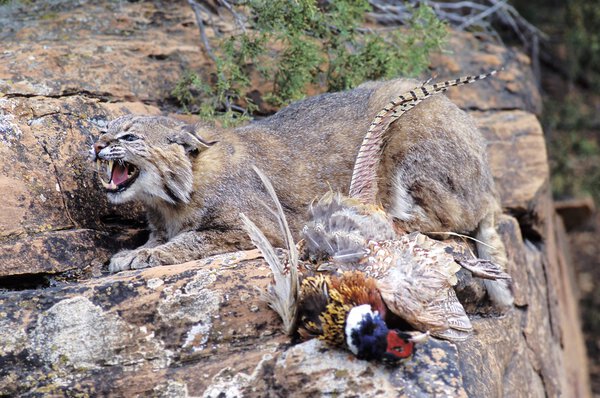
(344, 310)
(414, 274)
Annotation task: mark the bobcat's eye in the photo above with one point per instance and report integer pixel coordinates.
(129, 137)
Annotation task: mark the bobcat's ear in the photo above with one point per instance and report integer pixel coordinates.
(189, 140)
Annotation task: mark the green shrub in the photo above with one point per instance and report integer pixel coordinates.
(295, 45)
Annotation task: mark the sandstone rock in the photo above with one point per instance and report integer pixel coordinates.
(517, 156)
(200, 329)
(203, 326)
(132, 325)
(102, 49)
(49, 187)
(513, 88)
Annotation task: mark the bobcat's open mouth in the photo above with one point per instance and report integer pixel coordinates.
(120, 174)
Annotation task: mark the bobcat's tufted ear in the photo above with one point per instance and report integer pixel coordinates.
(189, 140)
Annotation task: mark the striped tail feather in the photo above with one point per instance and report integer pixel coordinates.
(283, 294)
(364, 176)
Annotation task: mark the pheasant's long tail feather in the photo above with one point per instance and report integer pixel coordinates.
(364, 176)
(283, 294)
(280, 216)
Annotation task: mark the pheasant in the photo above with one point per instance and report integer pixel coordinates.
(414, 274)
(344, 311)
(378, 273)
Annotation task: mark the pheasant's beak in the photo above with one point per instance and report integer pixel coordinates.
(417, 337)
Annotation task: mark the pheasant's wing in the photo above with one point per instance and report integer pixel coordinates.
(340, 228)
(459, 324)
(416, 277)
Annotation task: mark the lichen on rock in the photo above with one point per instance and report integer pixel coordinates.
(78, 335)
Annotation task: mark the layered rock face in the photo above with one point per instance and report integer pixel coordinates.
(200, 328)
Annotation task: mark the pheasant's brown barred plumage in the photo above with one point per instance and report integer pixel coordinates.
(364, 177)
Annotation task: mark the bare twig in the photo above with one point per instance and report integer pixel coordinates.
(198, 9)
(482, 15)
(461, 4)
(239, 18)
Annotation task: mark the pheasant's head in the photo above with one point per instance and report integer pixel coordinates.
(348, 311)
(368, 337)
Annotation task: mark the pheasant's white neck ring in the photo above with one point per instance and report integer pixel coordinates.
(365, 332)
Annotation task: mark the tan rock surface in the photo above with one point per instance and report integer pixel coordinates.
(514, 88)
(199, 329)
(103, 49)
(517, 156)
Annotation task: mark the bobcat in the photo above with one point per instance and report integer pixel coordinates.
(195, 180)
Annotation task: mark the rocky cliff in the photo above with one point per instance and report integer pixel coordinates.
(199, 329)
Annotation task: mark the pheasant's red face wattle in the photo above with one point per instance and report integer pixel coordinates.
(398, 346)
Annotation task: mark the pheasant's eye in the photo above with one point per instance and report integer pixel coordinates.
(129, 137)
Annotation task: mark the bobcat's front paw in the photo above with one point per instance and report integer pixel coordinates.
(133, 259)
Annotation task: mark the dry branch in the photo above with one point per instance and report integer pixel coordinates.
(478, 15)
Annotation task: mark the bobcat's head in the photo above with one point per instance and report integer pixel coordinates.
(147, 158)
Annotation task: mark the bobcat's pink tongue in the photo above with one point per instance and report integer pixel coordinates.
(119, 174)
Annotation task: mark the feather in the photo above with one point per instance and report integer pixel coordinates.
(416, 276)
(313, 301)
(282, 295)
(280, 216)
(364, 176)
(341, 227)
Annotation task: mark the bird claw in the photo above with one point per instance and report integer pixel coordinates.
(484, 269)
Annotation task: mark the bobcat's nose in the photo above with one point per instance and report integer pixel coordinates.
(98, 146)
